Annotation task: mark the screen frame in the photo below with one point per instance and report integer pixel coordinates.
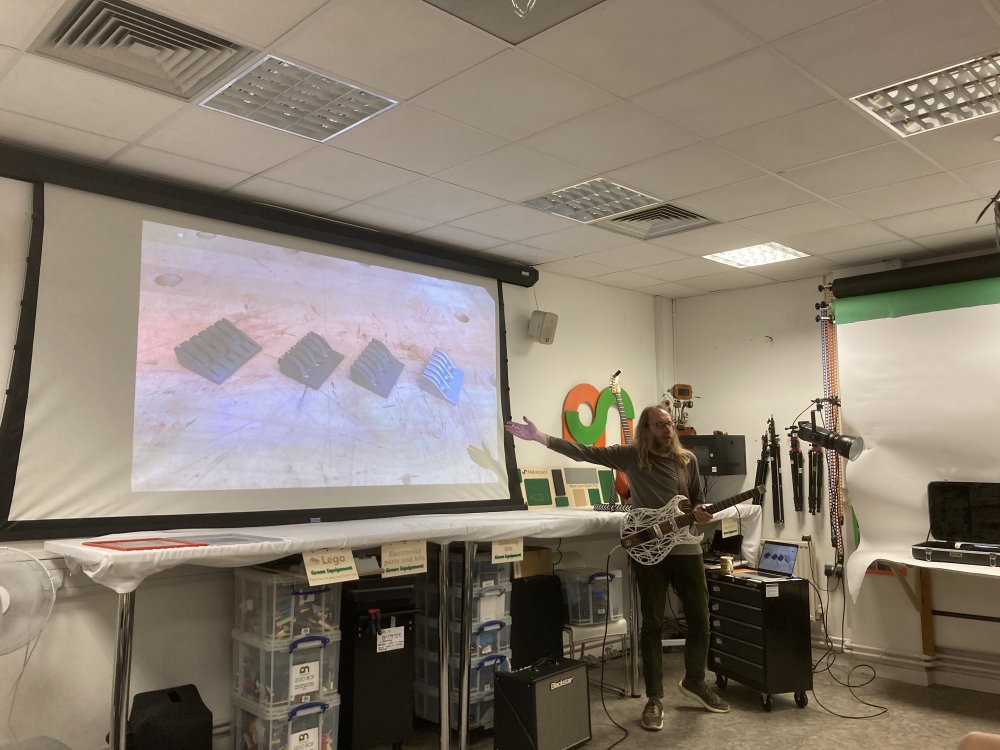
(40, 169)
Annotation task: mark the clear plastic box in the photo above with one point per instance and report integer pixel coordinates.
(487, 637)
(281, 605)
(287, 673)
(591, 596)
(427, 706)
(491, 603)
(481, 670)
(485, 572)
(311, 726)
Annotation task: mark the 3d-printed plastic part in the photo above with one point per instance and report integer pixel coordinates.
(217, 352)
(310, 360)
(376, 369)
(441, 377)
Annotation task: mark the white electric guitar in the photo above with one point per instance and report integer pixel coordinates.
(649, 534)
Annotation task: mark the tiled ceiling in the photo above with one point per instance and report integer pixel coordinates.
(738, 111)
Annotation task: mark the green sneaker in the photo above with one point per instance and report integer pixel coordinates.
(703, 694)
(652, 715)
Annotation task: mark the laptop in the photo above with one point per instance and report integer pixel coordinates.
(776, 561)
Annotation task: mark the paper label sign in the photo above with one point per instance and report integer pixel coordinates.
(390, 639)
(508, 550)
(329, 566)
(730, 527)
(303, 740)
(404, 558)
(304, 678)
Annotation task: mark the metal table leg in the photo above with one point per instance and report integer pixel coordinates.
(123, 668)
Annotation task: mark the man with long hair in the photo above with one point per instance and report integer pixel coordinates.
(658, 467)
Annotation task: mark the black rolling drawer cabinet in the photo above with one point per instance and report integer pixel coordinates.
(760, 634)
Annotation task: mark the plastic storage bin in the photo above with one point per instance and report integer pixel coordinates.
(287, 673)
(281, 606)
(485, 572)
(427, 706)
(491, 603)
(311, 726)
(591, 596)
(481, 671)
(487, 637)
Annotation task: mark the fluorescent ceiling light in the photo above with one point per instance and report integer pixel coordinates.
(756, 255)
(290, 97)
(592, 200)
(956, 94)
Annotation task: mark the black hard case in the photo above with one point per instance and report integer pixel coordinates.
(964, 524)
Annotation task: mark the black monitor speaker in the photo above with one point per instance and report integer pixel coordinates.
(718, 455)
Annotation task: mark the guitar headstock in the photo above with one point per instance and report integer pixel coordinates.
(615, 388)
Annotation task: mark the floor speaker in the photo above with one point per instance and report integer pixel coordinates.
(542, 707)
(536, 615)
(170, 719)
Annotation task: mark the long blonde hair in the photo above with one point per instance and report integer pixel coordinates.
(644, 441)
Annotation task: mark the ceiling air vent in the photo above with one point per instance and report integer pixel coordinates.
(656, 221)
(141, 47)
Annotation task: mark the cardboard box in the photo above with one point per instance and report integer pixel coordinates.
(537, 562)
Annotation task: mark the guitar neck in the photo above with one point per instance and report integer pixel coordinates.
(687, 519)
(626, 431)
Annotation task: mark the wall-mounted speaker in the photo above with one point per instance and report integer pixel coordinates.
(542, 326)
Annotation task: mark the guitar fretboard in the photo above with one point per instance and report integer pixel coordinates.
(686, 519)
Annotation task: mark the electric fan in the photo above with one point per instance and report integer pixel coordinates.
(27, 593)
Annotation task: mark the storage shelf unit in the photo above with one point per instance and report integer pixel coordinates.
(760, 634)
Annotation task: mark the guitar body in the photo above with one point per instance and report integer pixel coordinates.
(649, 534)
(655, 549)
(621, 486)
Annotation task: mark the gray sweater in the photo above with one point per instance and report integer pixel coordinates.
(649, 488)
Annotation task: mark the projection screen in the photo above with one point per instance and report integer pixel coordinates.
(192, 371)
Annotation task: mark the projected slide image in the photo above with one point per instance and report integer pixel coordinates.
(263, 367)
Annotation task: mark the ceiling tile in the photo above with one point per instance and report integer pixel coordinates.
(513, 95)
(634, 255)
(257, 22)
(746, 198)
(610, 137)
(840, 238)
(435, 200)
(685, 171)
(340, 173)
(984, 178)
(981, 237)
(226, 140)
(873, 167)
(459, 238)
(576, 267)
(942, 189)
(515, 173)
(512, 222)
(177, 169)
(961, 145)
(679, 270)
(56, 139)
(725, 280)
(753, 88)
(936, 220)
(23, 20)
(579, 239)
(875, 254)
(798, 268)
(799, 219)
(524, 254)
(710, 240)
(83, 100)
(417, 139)
(777, 18)
(829, 130)
(891, 41)
(671, 290)
(624, 279)
(628, 46)
(376, 217)
(275, 193)
(398, 47)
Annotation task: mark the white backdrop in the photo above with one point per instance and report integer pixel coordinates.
(922, 390)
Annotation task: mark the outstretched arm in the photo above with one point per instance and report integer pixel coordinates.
(526, 431)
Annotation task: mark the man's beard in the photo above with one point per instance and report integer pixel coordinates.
(663, 444)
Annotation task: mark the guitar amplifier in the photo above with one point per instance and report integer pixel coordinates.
(543, 707)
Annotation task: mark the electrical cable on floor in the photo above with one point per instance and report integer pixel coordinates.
(829, 658)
